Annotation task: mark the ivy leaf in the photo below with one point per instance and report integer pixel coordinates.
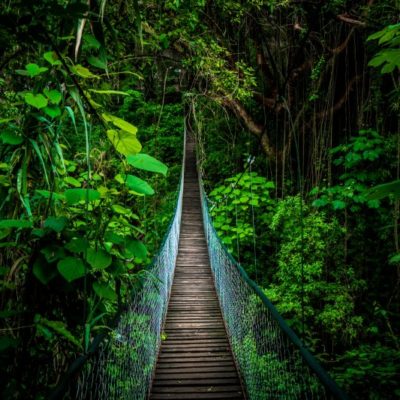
(52, 58)
(124, 142)
(147, 163)
(71, 268)
(138, 185)
(53, 95)
(74, 196)
(36, 100)
(98, 259)
(105, 291)
(31, 70)
(52, 112)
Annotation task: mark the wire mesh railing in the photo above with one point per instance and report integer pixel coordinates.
(124, 364)
(272, 361)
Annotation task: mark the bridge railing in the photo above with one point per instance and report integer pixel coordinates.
(272, 361)
(123, 366)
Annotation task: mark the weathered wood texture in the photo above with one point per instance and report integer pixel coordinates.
(195, 360)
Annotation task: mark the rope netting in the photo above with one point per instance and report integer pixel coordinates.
(123, 366)
(272, 361)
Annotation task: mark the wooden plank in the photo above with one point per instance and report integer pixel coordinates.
(187, 396)
(199, 382)
(198, 389)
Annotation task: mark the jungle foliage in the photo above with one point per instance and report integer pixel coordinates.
(295, 108)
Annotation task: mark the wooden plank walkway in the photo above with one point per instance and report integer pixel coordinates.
(195, 360)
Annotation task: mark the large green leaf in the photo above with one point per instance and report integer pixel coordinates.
(74, 196)
(147, 163)
(124, 142)
(15, 223)
(120, 123)
(36, 100)
(98, 259)
(135, 248)
(71, 268)
(57, 224)
(104, 290)
(138, 185)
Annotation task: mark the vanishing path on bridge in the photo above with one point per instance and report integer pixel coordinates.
(195, 360)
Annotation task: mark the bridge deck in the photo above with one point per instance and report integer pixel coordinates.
(195, 360)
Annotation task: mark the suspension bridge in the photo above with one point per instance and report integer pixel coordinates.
(199, 328)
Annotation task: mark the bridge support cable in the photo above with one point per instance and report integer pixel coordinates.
(124, 364)
(272, 360)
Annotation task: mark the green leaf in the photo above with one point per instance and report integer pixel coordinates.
(97, 62)
(110, 92)
(52, 111)
(105, 291)
(320, 202)
(57, 224)
(9, 137)
(98, 259)
(72, 181)
(53, 95)
(83, 72)
(138, 185)
(124, 142)
(338, 205)
(43, 271)
(384, 190)
(147, 163)
(52, 58)
(71, 268)
(91, 41)
(47, 195)
(135, 248)
(34, 69)
(74, 196)
(120, 123)
(120, 210)
(77, 245)
(36, 100)
(15, 223)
